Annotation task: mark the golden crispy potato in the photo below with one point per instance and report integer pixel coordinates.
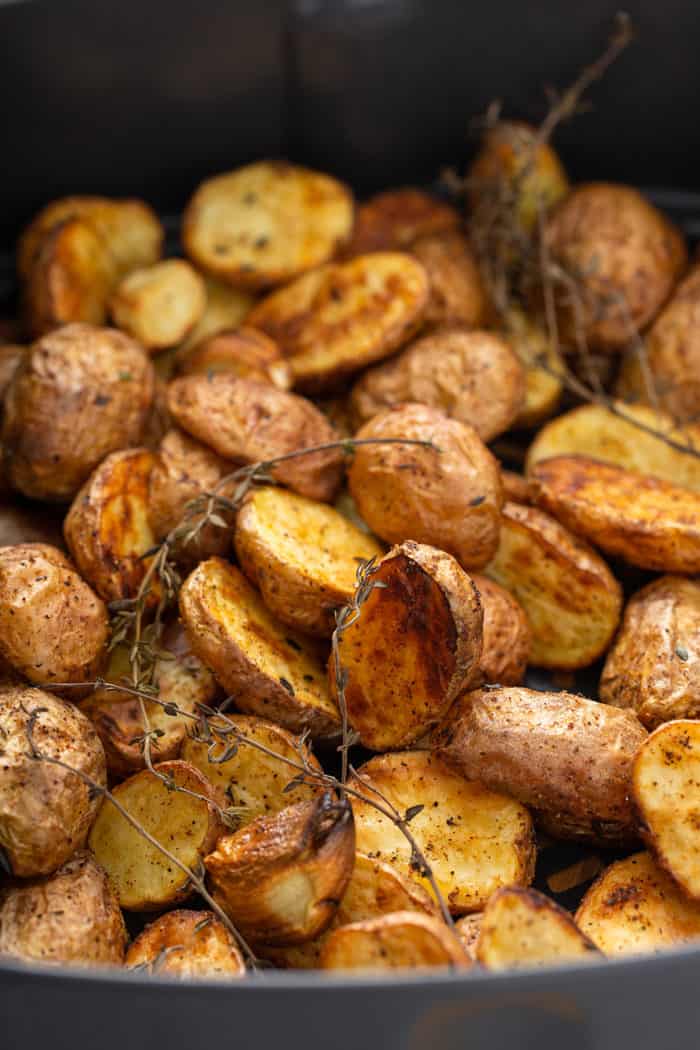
(395, 219)
(448, 496)
(521, 927)
(457, 292)
(243, 352)
(107, 527)
(144, 878)
(568, 758)
(280, 879)
(226, 307)
(543, 368)
(271, 671)
(266, 223)
(474, 839)
(247, 421)
(634, 906)
(345, 316)
(45, 810)
(53, 627)
(506, 634)
(302, 556)
(654, 666)
(414, 647)
(403, 940)
(79, 393)
(159, 305)
(471, 376)
(517, 489)
(571, 599)
(72, 916)
(186, 944)
(648, 522)
(623, 255)
(468, 929)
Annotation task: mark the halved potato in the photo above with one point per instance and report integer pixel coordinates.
(266, 223)
(521, 927)
(648, 522)
(395, 219)
(474, 839)
(506, 634)
(186, 944)
(244, 352)
(543, 368)
(571, 599)
(270, 670)
(302, 556)
(413, 648)
(404, 940)
(344, 316)
(225, 308)
(280, 878)
(144, 878)
(160, 304)
(457, 292)
(468, 928)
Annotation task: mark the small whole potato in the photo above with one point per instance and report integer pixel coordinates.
(457, 291)
(395, 219)
(159, 305)
(506, 634)
(244, 352)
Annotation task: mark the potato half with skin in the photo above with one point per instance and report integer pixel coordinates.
(457, 292)
(571, 599)
(474, 839)
(303, 557)
(654, 666)
(271, 671)
(517, 489)
(521, 927)
(145, 879)
(79, 393)
(344, 316)
(244, 352)
(186, 944)
(471, 376)
(159, 305)
(568, 758)
(506, 634)
(623, 255)
(53, 627)
(266, 223)
(403, 940)
(395, 219)
(468, 929)
(543, 365)
(225, 308)
(448, 496)
(107, 527)
(45, 810)
(414, 647)
(280, 879)
(646, 521)
(247, 422)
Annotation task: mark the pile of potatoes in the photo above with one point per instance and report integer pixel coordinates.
(297, 320)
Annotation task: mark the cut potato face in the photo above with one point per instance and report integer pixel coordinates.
(522, 927)
(414, 646)
(506, 634)
(159, 305)
(543, 365)
(303, 557)
(395, 219)
(144, 878)
(266, 223)
(457, 291)
(244, 352)
(571, 599)
(474, 839)
(468, 928)
(225, 307)
(400, 941)
(344, 316)
(187, 944)
(271, 671)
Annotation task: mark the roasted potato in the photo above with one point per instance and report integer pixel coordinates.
(11, 356)
(78, 394)
(517, 489)
(72, 916)
(403, 940)
(571, 599)
(395, 219)
(280, 878)
(225, 308)
(471, 376)
(474, 839)
(144, 877)
(521, 927)
(46, 810)
(457, 292)
(413, 648)
(506, 634)
(648, 522)
(543, 364)
(468, 928)
(159, 305)
(342, 317)
(568, 758)
(302, 556)
(448, 496)
(243, 352)
(53, 627)
(186, 944)
(247, 421)
(623, 255)
(271, 671)
(654, 666)
(266, 223)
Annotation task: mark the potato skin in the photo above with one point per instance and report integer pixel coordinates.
(568, 758)
(450, 499)
(45, 811)
(471, 376)
(245, 352)
(80, 393)
(186, 944)
(506, 634)
(72, 916)
(457, 291)
(395, 219)
(246, 421)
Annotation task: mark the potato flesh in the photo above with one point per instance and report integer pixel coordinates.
(543, 367)
(159, 304)
(400, 941)
(225, 307)
(521, 927)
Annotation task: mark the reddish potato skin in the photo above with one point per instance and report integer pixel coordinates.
(507, 637)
